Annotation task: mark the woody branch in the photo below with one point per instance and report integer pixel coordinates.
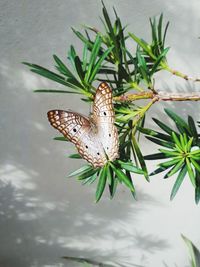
(159, 96)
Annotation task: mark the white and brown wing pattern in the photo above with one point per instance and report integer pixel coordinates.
(95, 138)
(79, 130)
(72, 125)
(104, 118)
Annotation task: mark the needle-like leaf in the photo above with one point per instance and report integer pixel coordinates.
(122, 177)
(178, 182)
(102, 183)
(82, 170)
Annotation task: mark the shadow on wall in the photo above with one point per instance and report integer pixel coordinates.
(36, 233)
(23, 238)
(42, 216)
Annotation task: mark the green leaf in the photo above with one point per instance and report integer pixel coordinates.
(189, 144)
(108, 22)
(195, 157)
(175, 169)
(87, 174)
(98, 64)
(196, 152)
(113, 186)
(130, 167)
(60, 138)
(143, 44)
(129, 177)
(75, 156)
(90, 179)
(159, 60)
(178, 182)
(101, 183)
(160, 142)
(78, 65)
(159, 170)
(190, 172)
(140, 157)
(85, 55)
(106, 70)
(195, 164)
(165, 32)
(182, 141)
(109, 175)
(160, 28)
(155, 156)
(193, 129)
(143, 67)
(55, 91)
(153, 30)
(197, 194)
(177, 141)
(83, 39)
(163, 126)
(155, 134)
(72, 54)
(62, 67)
(170, 162)
(180, 123)
(197, 189)
(93, 58)
(80, 171)
(111, 34)
(170, 153)
(125, 118)
(122, 177)
(193, 251)
(46, 73)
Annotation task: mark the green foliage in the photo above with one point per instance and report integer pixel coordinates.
(181, 151)
(151, 57)
(85, 70)
(193, 252)
(106, 57)
(110, 174)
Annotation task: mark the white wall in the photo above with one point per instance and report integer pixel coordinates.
(43, 215)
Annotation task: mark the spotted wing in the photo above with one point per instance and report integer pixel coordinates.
(104, 118)
(79, 130)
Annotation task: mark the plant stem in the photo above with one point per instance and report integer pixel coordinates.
(143, 111)
(133, 97)
(136, 86)
(178, 97)
(160, 96)
(179, 74)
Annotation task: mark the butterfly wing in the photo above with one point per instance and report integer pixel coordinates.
(79, 130)
(104, 118)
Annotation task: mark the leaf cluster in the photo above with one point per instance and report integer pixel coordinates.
(110, 174)
(106, 57)
(181, 152)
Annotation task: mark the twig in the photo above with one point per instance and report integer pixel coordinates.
(179, 97)
(161, 96)
(179, 74)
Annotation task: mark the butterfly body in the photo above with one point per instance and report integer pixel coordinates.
(95, 137)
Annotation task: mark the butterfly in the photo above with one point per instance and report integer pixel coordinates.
(96, 136)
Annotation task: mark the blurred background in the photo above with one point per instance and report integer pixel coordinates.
(43, 215)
